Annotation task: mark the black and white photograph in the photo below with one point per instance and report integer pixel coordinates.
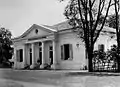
(59, 43)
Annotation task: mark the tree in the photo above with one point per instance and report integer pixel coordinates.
(117, 8)
(85, 17)
(113, 21)
(5, 45)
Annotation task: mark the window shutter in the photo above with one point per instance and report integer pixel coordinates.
(71, 51)
(18, 56)
(62, 52)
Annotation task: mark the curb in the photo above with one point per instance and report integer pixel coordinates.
(71, 72)
(93, 73)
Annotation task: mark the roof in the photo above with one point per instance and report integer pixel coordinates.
(109, 29)
(61, 26)
(65, 25)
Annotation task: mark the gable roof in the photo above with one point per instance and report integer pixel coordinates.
(36, 26)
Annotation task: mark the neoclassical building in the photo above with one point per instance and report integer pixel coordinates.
(55, 46)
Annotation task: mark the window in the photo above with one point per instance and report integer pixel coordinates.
(66, 52)
(40, 44)
(101, 47)
(50, 48)
(36, 31)
(19, 55)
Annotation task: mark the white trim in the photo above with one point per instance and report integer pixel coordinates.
(34, 41)
(32, 27)
(48, 28)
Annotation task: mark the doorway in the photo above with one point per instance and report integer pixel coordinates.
(30, 56)
(40, 55)
(51, 55)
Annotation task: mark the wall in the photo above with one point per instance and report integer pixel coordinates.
(78, 61)
(106, 40)
(78, 52)
(17, 64)
(41, 32)
(46, 52)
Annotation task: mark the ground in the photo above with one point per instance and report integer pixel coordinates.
(51, 78)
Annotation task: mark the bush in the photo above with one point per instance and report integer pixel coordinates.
(106, 60)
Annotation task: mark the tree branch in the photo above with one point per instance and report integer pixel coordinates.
(103, 22)
(102, 6)
(93, 3)
(98, 17)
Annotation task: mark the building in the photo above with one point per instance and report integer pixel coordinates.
(55, 46)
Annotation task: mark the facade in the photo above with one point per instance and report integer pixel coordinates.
(55, 46)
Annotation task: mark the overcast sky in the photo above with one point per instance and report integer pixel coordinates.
(19, 15)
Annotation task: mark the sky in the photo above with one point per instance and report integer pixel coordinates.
(20, 15)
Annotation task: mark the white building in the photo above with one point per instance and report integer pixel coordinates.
(57, 46)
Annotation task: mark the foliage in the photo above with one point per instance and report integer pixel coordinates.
(112, 21)
(110, 54)
(106, 59)
(5, 45)
(99, 54)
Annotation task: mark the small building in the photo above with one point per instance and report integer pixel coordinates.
(55, 46)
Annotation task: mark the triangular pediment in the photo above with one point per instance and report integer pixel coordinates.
(37, 30)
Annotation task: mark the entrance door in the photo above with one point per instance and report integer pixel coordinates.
(51, 55)
(30, 56)
(40, 55)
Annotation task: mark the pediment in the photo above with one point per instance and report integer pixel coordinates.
(37, 30)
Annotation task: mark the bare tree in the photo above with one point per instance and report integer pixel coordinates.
(113, 21)
(88, 18)
(117, 8)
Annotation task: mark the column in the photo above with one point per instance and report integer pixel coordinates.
(43, 58)
(33, 56)
(24, 56)
(54, 66)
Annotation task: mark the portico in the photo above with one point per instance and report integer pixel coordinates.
(38, 50)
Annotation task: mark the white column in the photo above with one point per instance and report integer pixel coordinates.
(54, 52)
(24, 52)
(43, 58)
(33, 56)
(54, 66)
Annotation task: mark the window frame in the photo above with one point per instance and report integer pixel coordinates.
(70, 52)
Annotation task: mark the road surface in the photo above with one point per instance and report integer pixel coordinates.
(44, 78)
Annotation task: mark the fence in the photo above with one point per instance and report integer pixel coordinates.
(105, 65)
